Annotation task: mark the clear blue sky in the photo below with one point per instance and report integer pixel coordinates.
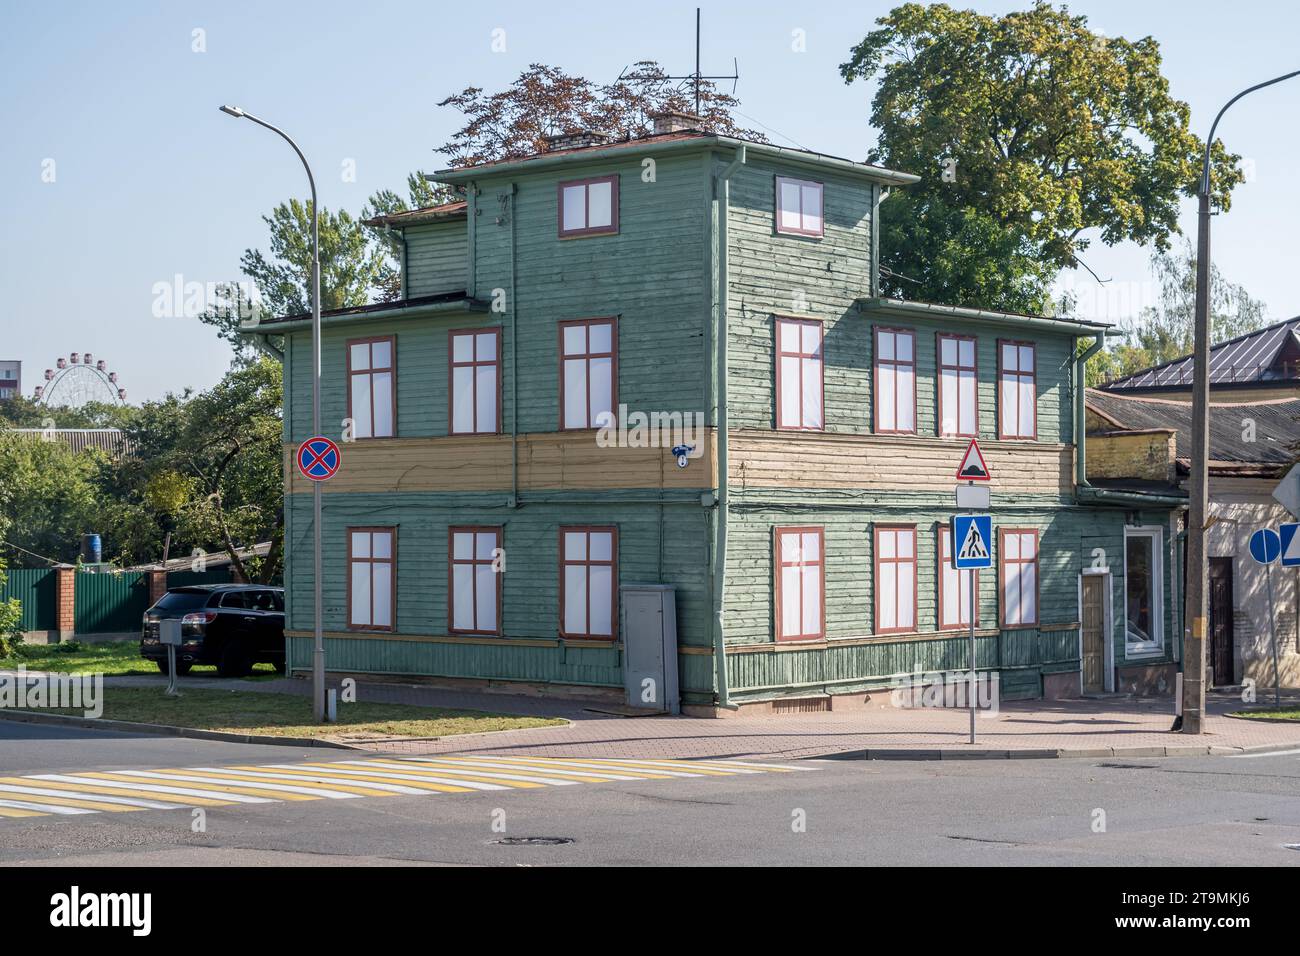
(152, 181)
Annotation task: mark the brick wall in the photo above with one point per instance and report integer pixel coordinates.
(66, 601)
(1139, 454)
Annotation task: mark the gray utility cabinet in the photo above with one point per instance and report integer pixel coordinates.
(650, 647)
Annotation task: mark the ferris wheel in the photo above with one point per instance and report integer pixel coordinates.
(78, 380)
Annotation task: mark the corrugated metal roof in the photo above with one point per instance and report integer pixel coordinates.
(1247, 359)
(111, 440)
(1276, 425)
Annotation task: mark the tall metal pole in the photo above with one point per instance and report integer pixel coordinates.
(318, 646)
(970, 577)
(1196, 607)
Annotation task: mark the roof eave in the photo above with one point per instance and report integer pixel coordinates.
(930, 310)
(467, 304)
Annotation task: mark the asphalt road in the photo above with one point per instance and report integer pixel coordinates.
(1184, 811)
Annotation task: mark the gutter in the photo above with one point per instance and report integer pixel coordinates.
(722, 191)
(1130, 497)
(1080, 414)
(932, 310)
(466, 304)
(694, 143)
(514, 359)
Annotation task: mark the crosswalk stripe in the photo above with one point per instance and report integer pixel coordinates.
(218, 784)
(43, 807)
(323, 780)
(536, 777)
(477, 781)
(101, 798)
(595, 764)
(590, 776)
(214, 792)
(51, 796)
(405, 780)
(72, 786)
(252, 783)
(693, 766)
(11, 812)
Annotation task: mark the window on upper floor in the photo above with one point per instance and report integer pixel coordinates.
(372, 387)
(588, 372)
(799, 207)
(588, 207)
(958, 391)
(895, 578)
(588, 582)
(954, 586)
(799, 374)
(1017, 391)
(1018, 569)
(800, 579)
(475, 381)
(895, 381)
(475, 582)
(372, 578)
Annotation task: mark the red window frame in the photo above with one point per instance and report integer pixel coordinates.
(821, 196)
(779, 565)
(896, 561)
(896, 364)
(586, 358)
(945, 535)
(957, 369)
(1020, 376)
(1003, 561)
(391, 560)
(588, 563)
(819, 356)
(611, 229)
(474, 562)
(475, 364)
(391, 368)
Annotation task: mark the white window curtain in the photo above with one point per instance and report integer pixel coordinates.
(371, 578)
(475, 583)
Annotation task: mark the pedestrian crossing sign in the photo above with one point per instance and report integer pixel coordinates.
(971, 541)
(1290, 534)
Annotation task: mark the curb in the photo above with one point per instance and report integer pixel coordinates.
(943, 753)
(166, 730)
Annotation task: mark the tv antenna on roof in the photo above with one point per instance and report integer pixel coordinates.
(695, 77)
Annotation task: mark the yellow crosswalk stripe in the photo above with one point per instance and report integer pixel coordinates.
(186, 801)
(554, 766)
(371, 777)
(205, 788)
(15, 812)
(272, 788)
(671, 770)
(83, 803)
(438, 773)
(527, 771)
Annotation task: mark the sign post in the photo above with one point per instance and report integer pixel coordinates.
(319, 459)
(971, 546)
(169, 633)
(1265, 547)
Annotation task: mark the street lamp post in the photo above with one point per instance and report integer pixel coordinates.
(1195, 609)
(318, 646)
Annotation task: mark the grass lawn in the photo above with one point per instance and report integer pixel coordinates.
(1291, 712)
(289, 715)
(108, 657)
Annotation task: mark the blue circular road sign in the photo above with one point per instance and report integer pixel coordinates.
(319, 458)
(1265, 545)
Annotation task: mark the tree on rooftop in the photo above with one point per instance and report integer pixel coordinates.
(1032, 134)
(544, 100)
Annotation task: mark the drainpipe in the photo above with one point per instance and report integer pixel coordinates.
(514, 360)
(1080, 416)
(722, 190)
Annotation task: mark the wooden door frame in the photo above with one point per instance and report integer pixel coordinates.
(1108, 630)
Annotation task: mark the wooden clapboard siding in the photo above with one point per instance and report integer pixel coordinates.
(772, 459)
(554, 461)
(437, 258)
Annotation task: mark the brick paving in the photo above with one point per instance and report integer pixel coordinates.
(1128, 726)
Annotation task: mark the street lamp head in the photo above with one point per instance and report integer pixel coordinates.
(234, 111)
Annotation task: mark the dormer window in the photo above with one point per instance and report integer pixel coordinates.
(588, 207)
(798, 207)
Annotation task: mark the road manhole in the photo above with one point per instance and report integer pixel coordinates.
(533, 841)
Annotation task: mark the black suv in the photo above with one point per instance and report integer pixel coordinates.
(231, 625)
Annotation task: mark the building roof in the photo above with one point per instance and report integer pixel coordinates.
(411, 217)
(443, 302)
(667, 141)
(1270, 355)
(906, 308)
(110, 440)
(1276, 426)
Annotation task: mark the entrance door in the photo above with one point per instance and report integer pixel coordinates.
(1093, 616)
(1221, 639)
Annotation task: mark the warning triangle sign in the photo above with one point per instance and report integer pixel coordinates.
(974, 547)
(972, 467)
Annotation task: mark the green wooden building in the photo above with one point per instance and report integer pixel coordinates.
(666, 361)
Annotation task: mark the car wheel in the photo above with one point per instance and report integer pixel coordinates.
(181, 669)
(234, 661)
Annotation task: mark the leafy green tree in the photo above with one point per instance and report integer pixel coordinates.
(1032, 134)
(11, 613)
(49, 496)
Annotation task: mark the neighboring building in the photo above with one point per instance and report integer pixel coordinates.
(112, 441)
(1149, 440)
(695, 277)
(1255, 367)
(11, 379)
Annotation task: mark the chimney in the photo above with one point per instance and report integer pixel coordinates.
(587, 137)
(671, 121)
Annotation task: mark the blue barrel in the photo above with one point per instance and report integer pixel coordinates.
(91, 549)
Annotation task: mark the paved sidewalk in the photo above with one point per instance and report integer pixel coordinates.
(1119, 726)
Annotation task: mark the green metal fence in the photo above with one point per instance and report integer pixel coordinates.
(110, 602)
(37, 589)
